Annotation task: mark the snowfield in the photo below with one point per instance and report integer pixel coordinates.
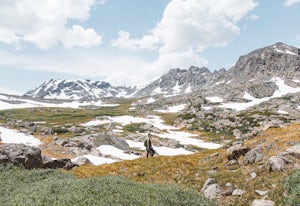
(173, 109)
(13, 136)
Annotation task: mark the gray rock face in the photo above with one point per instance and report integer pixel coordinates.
(82, 161)
(21, 155)
(180, 81)
(279, 163)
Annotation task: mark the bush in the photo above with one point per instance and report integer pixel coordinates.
(51, 187)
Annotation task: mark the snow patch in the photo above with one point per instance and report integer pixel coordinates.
(296, 80)
(188, 89)
(115, 152)
(173, 109)
(215, 99)
(150, 100)
(206, 108)
(282, 112)
(96, 160)
(13, 136)
(285, 51)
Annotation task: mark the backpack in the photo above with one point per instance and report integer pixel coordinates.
(145, 142)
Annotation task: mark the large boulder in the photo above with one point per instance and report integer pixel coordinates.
(253, 155)
(59, 163)
(109, 139)
(21, 155)
(235, 151)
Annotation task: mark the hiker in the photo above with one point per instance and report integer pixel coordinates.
(148, 145)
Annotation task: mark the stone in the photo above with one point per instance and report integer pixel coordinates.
(234, 152)
(75, 129)
(278, 163)
(82, 161)
(47, 131)
(59, 163)
(238, 192)
(21, 155)
(253, 175)
(209, 181)
(212, 191)
(263, 203)
(294, 150)
(253, 155)
(261, 192)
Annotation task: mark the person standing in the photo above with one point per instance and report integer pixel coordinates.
(148, 145)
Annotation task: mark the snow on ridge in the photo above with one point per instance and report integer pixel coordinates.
(296, 80)
(285, 51)
(176, 88)
(150, 100)
(188, 89)
(214, 99)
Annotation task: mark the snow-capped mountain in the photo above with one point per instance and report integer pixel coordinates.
(78, 89)
(252, 73)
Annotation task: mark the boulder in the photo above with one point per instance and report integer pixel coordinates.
(253, 155)
(235, 151)
(238, 192)
(212, 191)
(47, 131)
(82, 161)
(294, 150)
(263, 203)
(59, 163)
(279, 163)
(21, 155)
(108, 139)
(75, 129)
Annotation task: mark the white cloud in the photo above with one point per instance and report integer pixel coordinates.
(78, 36)
(189, 27)
(44, 23)
(125, 42)
(254, 17)
(291, 2)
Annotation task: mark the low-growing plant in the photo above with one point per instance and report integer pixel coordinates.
(50, 187)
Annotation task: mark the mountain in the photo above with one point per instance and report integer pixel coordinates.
(252, 73)
(181, 81)
(78, 89)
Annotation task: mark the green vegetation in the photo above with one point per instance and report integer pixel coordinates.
(50, 187)
(134, 127)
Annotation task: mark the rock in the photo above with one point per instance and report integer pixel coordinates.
(209, 181)
(211, 172)
(253, 155)
(238, 192)
(234, 152)
(59, 163)
(278, 163)
(75, 129)
(47, 131)
(237, 133)
(227, 191)
(253, 175)
(263, 203)
(21, 155)
(82, 161)
(212, 191)
(172, 143)
(261, 192)
(294, 150)
(108, 139)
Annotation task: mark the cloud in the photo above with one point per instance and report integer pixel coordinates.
(189, 27)
(45, 23)
(254, 17)
(290, 2)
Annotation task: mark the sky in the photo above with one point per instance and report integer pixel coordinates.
(133, 42)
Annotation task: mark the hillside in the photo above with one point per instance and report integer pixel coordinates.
(193, 170)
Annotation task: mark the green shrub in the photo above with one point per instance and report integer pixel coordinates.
(51, 187)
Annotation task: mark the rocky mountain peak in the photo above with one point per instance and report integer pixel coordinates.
(278, 60)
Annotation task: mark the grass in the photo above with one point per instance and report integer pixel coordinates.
(50, 187)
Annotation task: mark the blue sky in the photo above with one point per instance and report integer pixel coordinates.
(132, 42)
